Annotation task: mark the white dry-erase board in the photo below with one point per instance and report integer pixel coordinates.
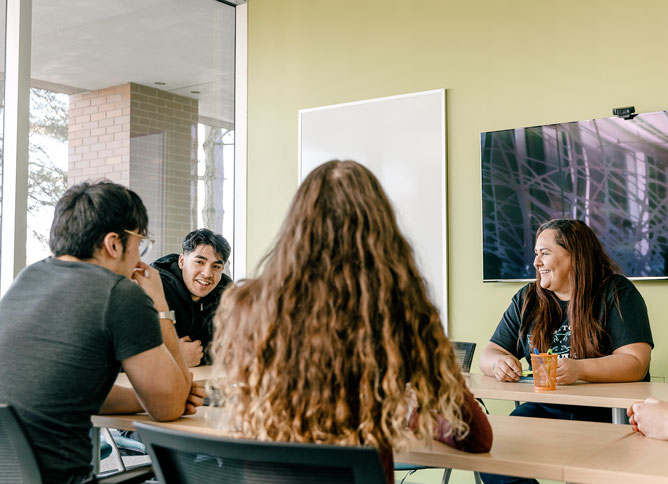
(402, 140)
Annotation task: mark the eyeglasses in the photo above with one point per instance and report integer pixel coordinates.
(145, 243)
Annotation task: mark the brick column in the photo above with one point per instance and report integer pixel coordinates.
(146, 139)
(99, 135)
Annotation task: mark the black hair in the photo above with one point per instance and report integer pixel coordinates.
(207, 237)
(87, 212)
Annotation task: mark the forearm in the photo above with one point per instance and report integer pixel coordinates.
(121, 400)
(149, 279)
(612, 368)
(171, 341)
(160, 385)
(490, 356)
(488, 359)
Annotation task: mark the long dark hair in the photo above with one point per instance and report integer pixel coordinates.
(591, 270)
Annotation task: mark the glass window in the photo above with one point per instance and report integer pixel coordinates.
(215, 179)
(47, 170)
(142, 94)
(3, 10)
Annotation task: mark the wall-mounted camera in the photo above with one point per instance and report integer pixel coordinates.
(628, 112)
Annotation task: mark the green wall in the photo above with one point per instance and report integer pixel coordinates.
(503, 63)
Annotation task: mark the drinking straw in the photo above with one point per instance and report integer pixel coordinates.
(542, 367)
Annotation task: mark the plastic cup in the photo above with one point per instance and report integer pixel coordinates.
(544, 368)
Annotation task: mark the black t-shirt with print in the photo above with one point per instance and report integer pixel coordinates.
(624, 323)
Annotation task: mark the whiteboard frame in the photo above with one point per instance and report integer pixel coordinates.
(444, 196)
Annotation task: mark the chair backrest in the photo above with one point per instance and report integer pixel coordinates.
(17, 460)
(192, 458)
(464, 354)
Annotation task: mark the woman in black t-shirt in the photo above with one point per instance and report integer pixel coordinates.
(580, 308)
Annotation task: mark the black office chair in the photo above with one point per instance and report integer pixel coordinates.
(19, 466)
(464, 354)
(17, 461)
(188, 458)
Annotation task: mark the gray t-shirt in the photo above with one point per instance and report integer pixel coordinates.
(65, 327)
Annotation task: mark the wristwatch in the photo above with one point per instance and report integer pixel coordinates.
(171, 315)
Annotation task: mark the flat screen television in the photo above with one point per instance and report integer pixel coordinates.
(611, 173)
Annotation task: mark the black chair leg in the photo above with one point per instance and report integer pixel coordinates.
(446, 476)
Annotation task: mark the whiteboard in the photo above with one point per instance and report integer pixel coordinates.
(401, 139)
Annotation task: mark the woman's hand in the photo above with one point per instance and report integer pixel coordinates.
(499, 363)
(568, 371)
(507, 368)
(650, 418)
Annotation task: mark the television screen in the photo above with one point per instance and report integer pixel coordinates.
(611, 173)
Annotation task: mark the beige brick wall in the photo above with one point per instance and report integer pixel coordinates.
(146, 139)
(175, 117)
(99, 135)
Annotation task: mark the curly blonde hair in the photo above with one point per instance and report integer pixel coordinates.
(336, 337)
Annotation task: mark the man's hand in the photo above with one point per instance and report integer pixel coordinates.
(192, 350)
(650, 418)
(149, 280)
(196, 398)
(568, 371)
(507, 368)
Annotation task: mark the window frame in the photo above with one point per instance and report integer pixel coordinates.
(13, 233)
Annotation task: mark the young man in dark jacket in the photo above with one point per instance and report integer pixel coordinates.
(193, 282)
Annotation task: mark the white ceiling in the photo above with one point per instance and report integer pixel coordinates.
(187, 44)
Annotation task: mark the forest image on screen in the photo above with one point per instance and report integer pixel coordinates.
(610, 173)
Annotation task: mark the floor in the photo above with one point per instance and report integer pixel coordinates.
(109, 464)
(434, 476)
(422, 476)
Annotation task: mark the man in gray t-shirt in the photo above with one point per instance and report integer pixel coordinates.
(69, 322)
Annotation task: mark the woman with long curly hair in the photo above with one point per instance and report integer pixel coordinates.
(337, 340)
(582, 309)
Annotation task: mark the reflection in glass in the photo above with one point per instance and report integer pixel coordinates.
(3, 10)
(148, 99)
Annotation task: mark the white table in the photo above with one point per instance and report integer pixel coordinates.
(580, 452)
(617, 396)
(200, 374)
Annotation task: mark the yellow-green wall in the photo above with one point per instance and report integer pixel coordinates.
(504, 64)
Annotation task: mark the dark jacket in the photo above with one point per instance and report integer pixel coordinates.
(193, 318)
